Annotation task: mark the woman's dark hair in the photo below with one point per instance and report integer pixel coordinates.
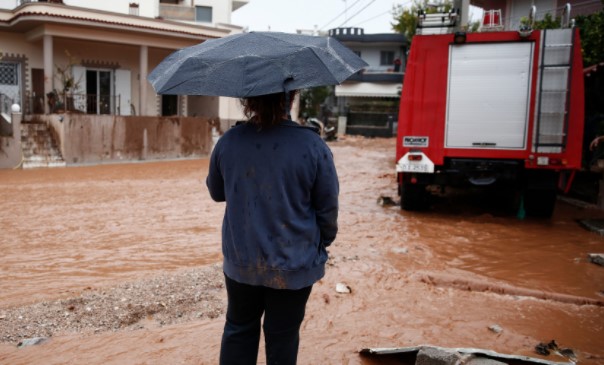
(267, 110)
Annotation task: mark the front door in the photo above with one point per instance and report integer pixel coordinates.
(37, 86)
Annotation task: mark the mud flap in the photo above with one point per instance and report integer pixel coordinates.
(414, 196)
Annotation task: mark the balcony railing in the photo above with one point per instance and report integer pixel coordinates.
(177, 12)
(75, 103)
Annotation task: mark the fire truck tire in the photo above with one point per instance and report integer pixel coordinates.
(540, 202)
(414, 197)
(540, 193)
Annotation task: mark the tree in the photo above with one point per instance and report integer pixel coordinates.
(311, 99)
(64, 74)
(405, 19)
(591, 28)
(592, 37)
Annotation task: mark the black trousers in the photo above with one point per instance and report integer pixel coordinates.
(283, 314)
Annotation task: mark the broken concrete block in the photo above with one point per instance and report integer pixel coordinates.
(437, 356)
(597, 258)
(32, 341)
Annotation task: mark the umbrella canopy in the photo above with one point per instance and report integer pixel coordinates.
(255, 63)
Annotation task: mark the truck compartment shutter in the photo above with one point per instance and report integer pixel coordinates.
(488, 95)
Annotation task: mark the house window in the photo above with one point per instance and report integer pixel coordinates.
(386, 58)
(203, 14)
(9, 73)
(98, 92)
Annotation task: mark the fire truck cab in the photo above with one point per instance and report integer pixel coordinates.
(490, 107)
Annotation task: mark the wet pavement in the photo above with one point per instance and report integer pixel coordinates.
(441, 277)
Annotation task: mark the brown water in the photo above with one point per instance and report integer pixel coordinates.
(440, 277)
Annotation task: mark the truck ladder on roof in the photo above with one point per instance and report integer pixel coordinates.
(553, 91)
(436, 23)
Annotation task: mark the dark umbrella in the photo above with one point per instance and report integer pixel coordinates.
(255, 63)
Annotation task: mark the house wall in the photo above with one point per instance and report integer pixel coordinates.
(17, 45)
(520, 8)
(230, 113)
(148, 8)
(221, 9)
(89, 139)
(514, 10)
(156, 55)
(98, 55)
(371, 55)
(582, 7)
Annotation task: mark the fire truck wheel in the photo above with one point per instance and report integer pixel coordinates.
(540, 202)
(414, 197)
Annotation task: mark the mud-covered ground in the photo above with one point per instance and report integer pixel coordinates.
(120, 264)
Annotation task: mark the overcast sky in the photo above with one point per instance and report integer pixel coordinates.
(374, 16)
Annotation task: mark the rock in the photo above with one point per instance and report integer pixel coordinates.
(32, 341)
(343, 288)
(541, 349)
(386, 201)
(400, 250)
(437, 356)
(495, 328)
(597, 258)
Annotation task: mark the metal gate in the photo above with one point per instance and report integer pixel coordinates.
(371, 124)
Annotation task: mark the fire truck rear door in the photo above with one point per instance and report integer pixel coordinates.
(488, 95)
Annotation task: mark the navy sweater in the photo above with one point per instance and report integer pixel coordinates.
(281, 191)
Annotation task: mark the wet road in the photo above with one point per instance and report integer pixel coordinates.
(440, 277)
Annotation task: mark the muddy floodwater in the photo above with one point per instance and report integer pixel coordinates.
(441, 277)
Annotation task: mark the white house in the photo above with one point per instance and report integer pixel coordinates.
(85, 63)
(107, 48)
(370, 99)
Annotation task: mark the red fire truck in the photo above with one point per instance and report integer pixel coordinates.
(496, 107)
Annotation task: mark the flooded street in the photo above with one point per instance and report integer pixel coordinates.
(440, 277)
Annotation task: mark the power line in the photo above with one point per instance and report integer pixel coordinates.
(374, 17)
(339, 15)
(357, 13)
(387, 11)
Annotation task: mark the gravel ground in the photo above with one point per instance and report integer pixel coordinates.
(157, 301)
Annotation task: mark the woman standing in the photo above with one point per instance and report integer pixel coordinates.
(280, 186)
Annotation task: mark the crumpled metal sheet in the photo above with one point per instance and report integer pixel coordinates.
(464, 351)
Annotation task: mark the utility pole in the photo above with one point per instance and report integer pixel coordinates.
(464, 9)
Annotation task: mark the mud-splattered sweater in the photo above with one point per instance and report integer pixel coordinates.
(281, 191)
